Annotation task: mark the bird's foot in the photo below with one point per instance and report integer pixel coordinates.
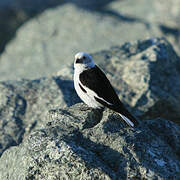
(84, 107)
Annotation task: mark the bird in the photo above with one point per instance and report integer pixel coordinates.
(95, 90)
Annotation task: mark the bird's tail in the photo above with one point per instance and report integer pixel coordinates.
(128, 121)
(128, 117)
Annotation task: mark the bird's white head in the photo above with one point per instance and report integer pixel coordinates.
(83, 60)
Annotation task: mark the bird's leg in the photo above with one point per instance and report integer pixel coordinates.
(94, 117)
(99, 110)
(85, 107)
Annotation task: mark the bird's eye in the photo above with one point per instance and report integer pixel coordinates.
(79, 61)
(83, 57)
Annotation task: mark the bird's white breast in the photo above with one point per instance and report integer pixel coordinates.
(88, 96)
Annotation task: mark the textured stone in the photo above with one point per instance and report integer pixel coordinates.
(24, 105)
(145, 74)
(74, 145)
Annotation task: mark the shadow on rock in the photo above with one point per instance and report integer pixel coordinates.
(67, 86)
(175, 32)
(92, 5)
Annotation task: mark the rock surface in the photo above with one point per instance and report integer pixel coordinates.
(143, 74)
(77, 146)
(24, 105)
(49, 40)
(76, 142)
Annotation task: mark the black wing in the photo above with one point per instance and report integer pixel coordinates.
(97, 81)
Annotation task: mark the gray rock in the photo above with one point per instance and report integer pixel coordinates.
(74, 145)
(24, 105)
(49, 40)
(137, 71)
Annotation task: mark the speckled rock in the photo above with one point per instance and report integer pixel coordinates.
(77, 146)
(24, 105)
(143, 74)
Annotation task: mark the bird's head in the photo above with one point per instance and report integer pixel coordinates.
(83, 60)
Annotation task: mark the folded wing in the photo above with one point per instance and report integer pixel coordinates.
(96, 80)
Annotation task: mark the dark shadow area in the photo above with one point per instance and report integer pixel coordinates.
(93, 5)
(94, 117)
(18, 115)
(67, 88)
(175, 32)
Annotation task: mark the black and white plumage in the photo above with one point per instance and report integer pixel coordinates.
(93, 87)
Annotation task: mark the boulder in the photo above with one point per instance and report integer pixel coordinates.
(24, 105)
(74, 145)
(145, 74)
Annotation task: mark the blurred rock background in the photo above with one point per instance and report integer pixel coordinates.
(38, 37)
(45, 133)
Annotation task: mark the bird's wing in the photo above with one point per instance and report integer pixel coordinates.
(95, 80)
